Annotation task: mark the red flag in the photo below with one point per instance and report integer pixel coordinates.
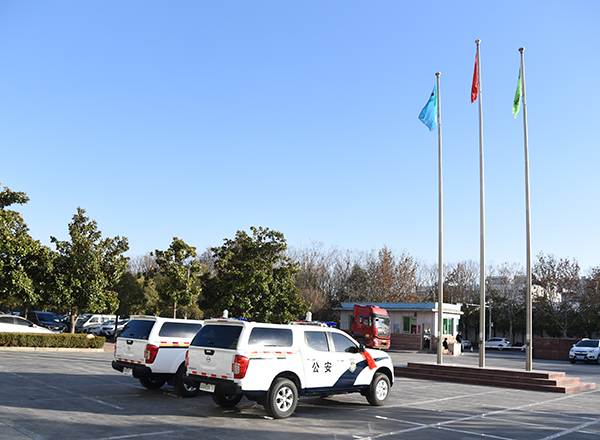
(370, 361)
(475, 87)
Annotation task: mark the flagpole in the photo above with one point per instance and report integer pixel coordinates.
(440, 239)
(529, 320)
(481, 220)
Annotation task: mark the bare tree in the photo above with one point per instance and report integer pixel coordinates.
(461, 283)
(142, 264)
(506, 287)
(392, 278)
(313, 278)
(560, 294)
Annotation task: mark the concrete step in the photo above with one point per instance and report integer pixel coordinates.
(531, 380)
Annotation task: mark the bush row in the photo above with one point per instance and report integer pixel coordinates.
(57, 340)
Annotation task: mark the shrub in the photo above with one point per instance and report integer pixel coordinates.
(56, 340)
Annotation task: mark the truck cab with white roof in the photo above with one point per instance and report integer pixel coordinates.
(274, 364)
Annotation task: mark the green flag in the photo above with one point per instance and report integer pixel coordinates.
(517, 100)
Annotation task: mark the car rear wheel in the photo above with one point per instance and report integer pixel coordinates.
(282, 398)
(183, 389)
(152, 382)
(379, 390)
(227, 400)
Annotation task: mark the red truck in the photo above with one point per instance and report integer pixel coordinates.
(370, 325)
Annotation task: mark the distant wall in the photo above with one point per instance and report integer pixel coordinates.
(552, 348)
(405, 341)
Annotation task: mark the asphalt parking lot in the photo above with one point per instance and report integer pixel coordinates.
(77, 395)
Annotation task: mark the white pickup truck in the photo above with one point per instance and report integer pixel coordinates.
(152, 349)
(273, 364)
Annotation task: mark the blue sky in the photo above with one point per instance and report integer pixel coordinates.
(196, 119)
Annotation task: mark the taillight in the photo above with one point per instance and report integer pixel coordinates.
(187, 358)
(240, 366)
(150, 353)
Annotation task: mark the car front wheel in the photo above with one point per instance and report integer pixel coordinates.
(282, 398)
(379, 390)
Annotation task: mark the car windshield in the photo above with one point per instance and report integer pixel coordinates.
(83, 318)
(138, 329)
(218, 336)
(48, 317)
(382, 321)
(588, 343)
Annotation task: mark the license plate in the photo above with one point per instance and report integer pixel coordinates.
(207, 387)
(128, 371)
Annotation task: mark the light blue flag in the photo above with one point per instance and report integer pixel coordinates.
(428, 115)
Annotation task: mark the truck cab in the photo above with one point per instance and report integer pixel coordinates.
(370, 326)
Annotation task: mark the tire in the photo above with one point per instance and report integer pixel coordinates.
(379, 390)
(152, 382)
(227, 401)
(181, 387)
(282, 398)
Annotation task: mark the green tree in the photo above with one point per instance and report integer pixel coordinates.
(253, 279)
(88, 268)
(24, 263)
(180, 270)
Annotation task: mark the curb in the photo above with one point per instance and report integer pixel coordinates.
(88, 350)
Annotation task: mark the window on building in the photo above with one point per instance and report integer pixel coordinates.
(448, 326)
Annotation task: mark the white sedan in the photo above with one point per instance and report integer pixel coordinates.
(498, 343)
(16, 324)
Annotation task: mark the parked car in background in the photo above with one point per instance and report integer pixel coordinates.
(18, 324)
(466, 344)
(88, 320)
(499, 343)
(108, 328)
(586, 350)
(47, 319)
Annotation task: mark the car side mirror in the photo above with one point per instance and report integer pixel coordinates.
(352, 349)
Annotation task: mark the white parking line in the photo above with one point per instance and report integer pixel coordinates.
(103, 403)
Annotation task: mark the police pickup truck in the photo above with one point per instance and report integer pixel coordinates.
(152, 349)
(273, 364)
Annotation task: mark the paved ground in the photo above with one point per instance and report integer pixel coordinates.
(74, 395)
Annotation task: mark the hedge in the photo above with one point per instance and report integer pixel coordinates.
(55, 340)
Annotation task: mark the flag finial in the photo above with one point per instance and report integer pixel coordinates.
(478, 41)
(521, 49)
